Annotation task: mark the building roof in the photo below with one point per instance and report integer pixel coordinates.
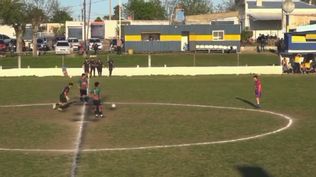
(306, 28)
(266, 16)
(212, 16)
(278, 5)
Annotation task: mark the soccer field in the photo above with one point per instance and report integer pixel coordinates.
(157, 60)
(202, 126)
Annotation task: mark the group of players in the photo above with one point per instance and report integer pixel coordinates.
(83, 84)
(95, 94)
(90, 65)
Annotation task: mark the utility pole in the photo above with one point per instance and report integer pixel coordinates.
(110, 9)
(89, 15)
(84, 29)
(120, 20)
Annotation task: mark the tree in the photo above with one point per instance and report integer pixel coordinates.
(228, 5)
(58, 14)
(36, 18)
(38, 12)
(141, 10)
(61, 16)
(116, 13)
(98, 19)
(231, 5)
(307, 1)
(196, 7)
(12, 13)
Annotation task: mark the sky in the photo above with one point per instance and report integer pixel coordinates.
(99, 8)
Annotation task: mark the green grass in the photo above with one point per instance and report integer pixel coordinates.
(161, 125)
(15, 164)
(286, 154)
(158, 60)
(31, 128)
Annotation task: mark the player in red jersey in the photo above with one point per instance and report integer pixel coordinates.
(258, 89)
(83, 85)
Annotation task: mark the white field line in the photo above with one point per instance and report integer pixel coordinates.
(74, 164)
(288, 125)
(25, 105)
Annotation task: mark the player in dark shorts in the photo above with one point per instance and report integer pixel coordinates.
(83, 85)
(110, 66)
(93, 65)
(96, 96)
(99, 67)
(258, 90)
(63, 98)
(86, 66)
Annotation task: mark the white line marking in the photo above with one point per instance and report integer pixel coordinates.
(78, 143)
(25, 105)
(288, 125)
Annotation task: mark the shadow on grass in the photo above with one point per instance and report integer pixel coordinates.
(247, 102)
(252, 171)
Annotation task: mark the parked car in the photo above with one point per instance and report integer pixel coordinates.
(6, 39)
(12, 45)
(60, 38)
(3, 46)
(74, 43)
(56, 39)
(93, 41)
(42, 44)
(62, 47)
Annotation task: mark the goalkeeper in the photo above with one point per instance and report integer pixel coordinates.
(63, 98)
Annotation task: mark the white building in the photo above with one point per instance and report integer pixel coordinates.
(267, 17)
(7, 30)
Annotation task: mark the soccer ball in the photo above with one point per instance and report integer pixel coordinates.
(113, 106)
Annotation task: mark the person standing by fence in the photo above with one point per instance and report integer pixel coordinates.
(99, 67)
(110, 66)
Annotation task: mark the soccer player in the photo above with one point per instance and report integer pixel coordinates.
(93, 66)
(83, 85)
(99, 67)
(110, 66)
(63, 98)
(86, 66)
(258, 89)
(96, 96)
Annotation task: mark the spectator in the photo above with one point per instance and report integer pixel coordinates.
(95, 48)
(110, 66)
(119, 46)
(286, 65)
(99, 67)
(86, 66)
(93, 66)
(297, 63)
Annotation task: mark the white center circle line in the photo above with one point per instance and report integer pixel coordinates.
(288, 125)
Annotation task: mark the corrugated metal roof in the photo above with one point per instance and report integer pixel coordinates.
(277, 5)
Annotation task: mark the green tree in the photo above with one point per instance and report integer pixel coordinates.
(141, 10)
(60, 16)
(12, 13)
(37, 13)
(196, 7)
(116, 13)
(98, 19)
(36, 17)
(307, 1)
